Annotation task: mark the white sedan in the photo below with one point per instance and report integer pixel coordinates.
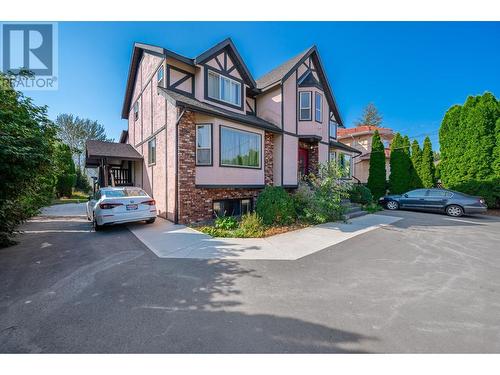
(113, 205)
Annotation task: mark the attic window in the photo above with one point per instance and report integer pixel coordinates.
(159, 75)
(224, 89)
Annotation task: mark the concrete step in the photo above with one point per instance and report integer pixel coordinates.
(352, 215)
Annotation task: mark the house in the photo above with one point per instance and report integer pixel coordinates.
(204, 137)
(360, 138)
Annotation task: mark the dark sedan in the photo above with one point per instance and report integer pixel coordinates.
(437, 200)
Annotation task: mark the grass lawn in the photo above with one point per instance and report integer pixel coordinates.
(76, 197)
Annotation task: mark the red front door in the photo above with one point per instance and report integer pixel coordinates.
(303, 161)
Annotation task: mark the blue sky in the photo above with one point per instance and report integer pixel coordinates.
(412, 71)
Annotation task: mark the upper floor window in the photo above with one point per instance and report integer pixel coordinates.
(136, 110)
(204, 144)
(159, 75)
(318, 107)
(224, 89)
(333, 129)
(239, 148)
(305, 106)
(152, 151)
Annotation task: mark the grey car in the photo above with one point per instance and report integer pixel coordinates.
(450, 202)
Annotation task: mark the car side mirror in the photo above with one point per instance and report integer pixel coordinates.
(406, 195)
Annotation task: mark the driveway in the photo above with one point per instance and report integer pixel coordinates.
(426, 283)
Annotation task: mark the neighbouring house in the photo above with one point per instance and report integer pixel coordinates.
(204, 137)
(360, 138)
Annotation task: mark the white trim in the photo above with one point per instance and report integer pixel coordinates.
(221, 77)
(204, 148)
(308, 93)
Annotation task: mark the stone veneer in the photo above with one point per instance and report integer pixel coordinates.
(195, 204)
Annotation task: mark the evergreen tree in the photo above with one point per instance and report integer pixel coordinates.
(427, 170)
(469, 140)
(496, 150)
(399, 179)
(376, 176)
(416, 162)
(370, 116)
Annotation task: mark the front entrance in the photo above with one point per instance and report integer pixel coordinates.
(303, 161)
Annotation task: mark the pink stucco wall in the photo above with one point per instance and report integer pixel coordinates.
(217, 175)
(312, 127)
(290, 104)
(290, 159)
(269, 106)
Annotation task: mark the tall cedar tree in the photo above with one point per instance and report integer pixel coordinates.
(427, 170)
(370, 116)
(376, 177)
(416, 162)
(399, 179)
(469, 141)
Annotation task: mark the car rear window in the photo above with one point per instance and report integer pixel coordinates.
(125, 193)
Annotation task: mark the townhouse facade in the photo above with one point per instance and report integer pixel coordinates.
(204, 138)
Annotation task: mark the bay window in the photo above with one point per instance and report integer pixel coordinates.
(224, 89)
(318, 107)
(239, 148)
(305, 106)
(204, 144)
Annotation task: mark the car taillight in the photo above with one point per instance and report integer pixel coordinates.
(107, 206)
(151, 202)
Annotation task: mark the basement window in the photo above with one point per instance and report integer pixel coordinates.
(232, 207)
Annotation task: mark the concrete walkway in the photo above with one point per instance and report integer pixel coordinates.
(168, 240)
(67, 209)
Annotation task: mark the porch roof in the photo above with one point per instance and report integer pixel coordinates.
(97, 150)
(341, 146)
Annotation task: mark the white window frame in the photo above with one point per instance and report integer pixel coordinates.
(158, 78)
(301, 107)
(204, 148)
(261, 148)
(316, 95)
(220, 78)
(334, 123)
(150, 154)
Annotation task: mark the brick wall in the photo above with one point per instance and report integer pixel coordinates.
(195, 204)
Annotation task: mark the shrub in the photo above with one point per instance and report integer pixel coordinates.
(275, 206)
(226, 223)
(489, 190)
(251, 225)
(328, 191)
(360, 194)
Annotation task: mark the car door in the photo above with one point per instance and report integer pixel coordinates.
(414, 199)
(437, 199)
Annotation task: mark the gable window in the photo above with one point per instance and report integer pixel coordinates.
(159, 75)
(204, 144)
(239, 148)
(136, 110)
(224, 89)
(318, 107)
(305, 106)
(152, 151)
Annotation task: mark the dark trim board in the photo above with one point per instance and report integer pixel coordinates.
(208, 68)
(290, 186)
(211, 145)
(173, 86)
(210, 186)
(262, 150)
(310, 102)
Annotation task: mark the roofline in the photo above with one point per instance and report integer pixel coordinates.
(201, 58)
(137, 51)
(344, 147)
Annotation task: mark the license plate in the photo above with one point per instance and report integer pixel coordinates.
(131, 207)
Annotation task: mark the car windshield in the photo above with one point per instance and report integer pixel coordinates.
(125, 193)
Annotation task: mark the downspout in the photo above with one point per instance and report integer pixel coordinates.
(176, 211)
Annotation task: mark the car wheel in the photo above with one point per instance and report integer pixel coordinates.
(150, 221)
(454, 210)
(392, 205)
(96, 226)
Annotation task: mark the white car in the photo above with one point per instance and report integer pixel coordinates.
(113, 205)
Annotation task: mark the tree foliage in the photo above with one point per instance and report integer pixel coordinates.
(27, 146)
(399, 179)
(377, 174)
(427, 170)
(370, 116)
(416, 161)
(469, 141)
(65, 170)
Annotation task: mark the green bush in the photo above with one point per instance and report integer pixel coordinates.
(226, 223)
(489, 190)
(251, 225)
(275, 206)
(360, 194)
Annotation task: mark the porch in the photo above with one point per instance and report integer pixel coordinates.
(116, 163)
